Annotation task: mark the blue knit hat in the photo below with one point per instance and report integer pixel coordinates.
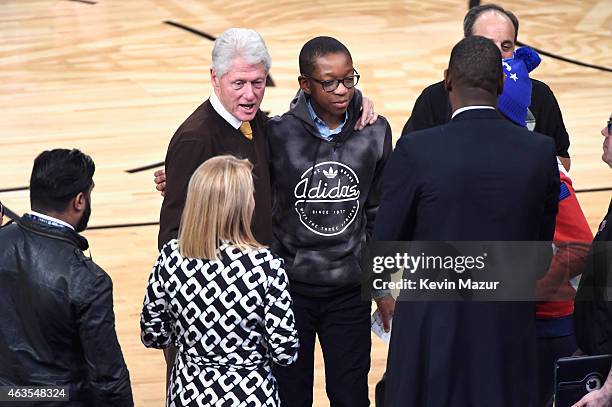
(516, 98)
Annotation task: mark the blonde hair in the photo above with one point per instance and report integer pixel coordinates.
(219, 207)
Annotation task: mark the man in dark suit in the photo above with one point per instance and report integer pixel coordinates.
(477, 178)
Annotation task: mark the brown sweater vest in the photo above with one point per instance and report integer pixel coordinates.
(203, 135)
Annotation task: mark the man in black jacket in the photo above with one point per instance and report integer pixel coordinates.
(58, 326)
(501, 26)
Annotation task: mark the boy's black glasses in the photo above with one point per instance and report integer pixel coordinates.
(332, 85)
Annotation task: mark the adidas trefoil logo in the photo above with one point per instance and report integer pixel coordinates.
(330, 173)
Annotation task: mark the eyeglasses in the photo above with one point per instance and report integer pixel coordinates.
(610, 125)
(332, 85)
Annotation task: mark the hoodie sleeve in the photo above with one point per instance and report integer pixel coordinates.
(373, 200)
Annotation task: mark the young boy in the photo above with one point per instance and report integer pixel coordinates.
(326, 180)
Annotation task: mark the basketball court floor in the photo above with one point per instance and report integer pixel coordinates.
(116, 78)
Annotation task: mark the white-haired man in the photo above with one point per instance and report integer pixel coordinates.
(229, 122)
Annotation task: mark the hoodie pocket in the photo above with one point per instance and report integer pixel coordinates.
(326, 267)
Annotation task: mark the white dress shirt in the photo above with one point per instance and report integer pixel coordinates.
(465, 108)
(219, 108)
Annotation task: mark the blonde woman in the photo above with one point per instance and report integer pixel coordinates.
(220, 297)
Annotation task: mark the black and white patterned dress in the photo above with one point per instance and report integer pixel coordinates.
(229, 320)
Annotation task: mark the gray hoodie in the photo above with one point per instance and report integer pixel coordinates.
(325, 196)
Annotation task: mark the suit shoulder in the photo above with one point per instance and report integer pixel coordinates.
(421, 138)
(427, 134)
(533, 139)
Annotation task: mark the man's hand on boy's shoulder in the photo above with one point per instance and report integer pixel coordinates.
(368, 115)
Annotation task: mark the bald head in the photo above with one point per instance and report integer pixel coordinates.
(495, 23)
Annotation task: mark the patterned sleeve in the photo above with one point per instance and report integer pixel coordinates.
(281, 334)
(155, 319)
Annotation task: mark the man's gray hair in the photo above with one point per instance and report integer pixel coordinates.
(239, 43)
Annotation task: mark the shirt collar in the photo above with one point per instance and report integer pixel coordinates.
(465, 108)
(324, 131)
(219, 108)
(51, 219)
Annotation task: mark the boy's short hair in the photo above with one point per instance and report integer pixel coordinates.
(318, 47)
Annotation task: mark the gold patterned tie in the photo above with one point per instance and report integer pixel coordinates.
(245, 129)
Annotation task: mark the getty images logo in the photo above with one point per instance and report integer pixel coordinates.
(327, 198)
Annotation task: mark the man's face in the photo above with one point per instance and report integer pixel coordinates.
(241, 89)
(330, 105)
(499, 29)
(607, 144)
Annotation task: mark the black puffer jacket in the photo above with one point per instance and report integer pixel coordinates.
(57, 326)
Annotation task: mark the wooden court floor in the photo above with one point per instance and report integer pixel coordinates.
(113, 79)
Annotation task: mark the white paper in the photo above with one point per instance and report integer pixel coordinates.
(378, 328)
